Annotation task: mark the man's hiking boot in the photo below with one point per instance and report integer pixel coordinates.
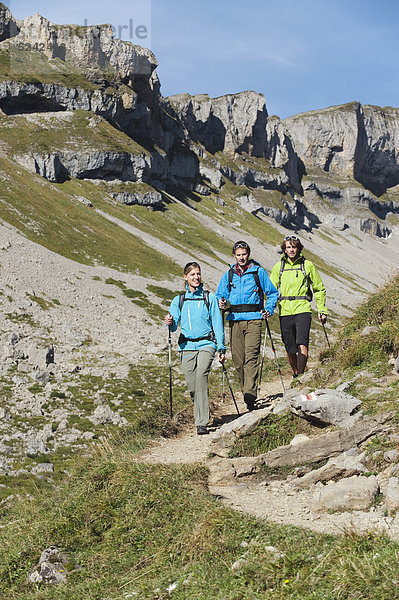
(250, 400)
(201, 430)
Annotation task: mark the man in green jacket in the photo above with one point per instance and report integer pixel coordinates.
(293, 276)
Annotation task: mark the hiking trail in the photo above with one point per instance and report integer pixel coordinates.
(263, 497)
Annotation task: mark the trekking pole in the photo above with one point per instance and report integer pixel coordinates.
(231, 389)
(263, 358)
(274, 352)
(325, 333)
(223, 372)
(170, 372)
(223, 386)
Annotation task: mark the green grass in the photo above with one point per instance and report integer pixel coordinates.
(275, 431)
(35, 67)
(55, 221)
(356, 350)
(44, 134)
(139, 298)
(136, 528)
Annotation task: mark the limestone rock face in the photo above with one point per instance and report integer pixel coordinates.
(8, 25)
(280, 151)
(326, 139)
(93, 46)
(361, 142)
(231, 123)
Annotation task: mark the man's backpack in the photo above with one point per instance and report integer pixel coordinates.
(309, 294)
(247, 307)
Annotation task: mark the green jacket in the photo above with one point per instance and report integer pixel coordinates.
(294, 283)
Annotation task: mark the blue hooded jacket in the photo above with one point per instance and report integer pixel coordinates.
(244, 291)
(196, 321)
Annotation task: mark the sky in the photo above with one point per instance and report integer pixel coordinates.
(301, 54)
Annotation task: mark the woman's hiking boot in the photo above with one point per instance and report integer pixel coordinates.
(202, 430)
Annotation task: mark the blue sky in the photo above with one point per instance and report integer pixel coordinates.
(302, 55)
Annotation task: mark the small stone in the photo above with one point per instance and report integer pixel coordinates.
(238, 565)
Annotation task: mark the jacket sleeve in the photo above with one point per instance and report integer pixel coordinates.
(174, 310)
(319, 290)
(223, 287)
(217, 322)
(269, 291)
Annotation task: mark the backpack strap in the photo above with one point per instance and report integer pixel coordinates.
(309, 294)
(240, 308)
(205, 298)
(211, 335)
(231, 274)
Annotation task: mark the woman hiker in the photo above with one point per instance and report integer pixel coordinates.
(202, 334)
(293, 277)
(245, 285)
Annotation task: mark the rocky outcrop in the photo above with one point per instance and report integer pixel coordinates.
(255, 177)
(349, 206)
(92, 47)
(351, 140)
(149, 198)
(182, 133)
(8, 25)
(18, 97)
(154, 169)
(232, 123)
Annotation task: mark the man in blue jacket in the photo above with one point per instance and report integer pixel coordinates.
(245, 285)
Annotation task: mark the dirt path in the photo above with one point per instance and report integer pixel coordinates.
(278, 501)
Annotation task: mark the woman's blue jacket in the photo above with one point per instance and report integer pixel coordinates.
(196, 321)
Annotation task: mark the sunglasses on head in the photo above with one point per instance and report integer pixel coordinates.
(240, 245)
(290, 237)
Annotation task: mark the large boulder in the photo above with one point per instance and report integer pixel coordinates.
(325, 407)
(353, 493)
(344, 465)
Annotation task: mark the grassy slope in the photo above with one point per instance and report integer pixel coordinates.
(355, 348)
(36, 67)
(80, 130)
(59, 222)
(136, 528)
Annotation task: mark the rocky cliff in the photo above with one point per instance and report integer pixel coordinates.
(320, 163)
